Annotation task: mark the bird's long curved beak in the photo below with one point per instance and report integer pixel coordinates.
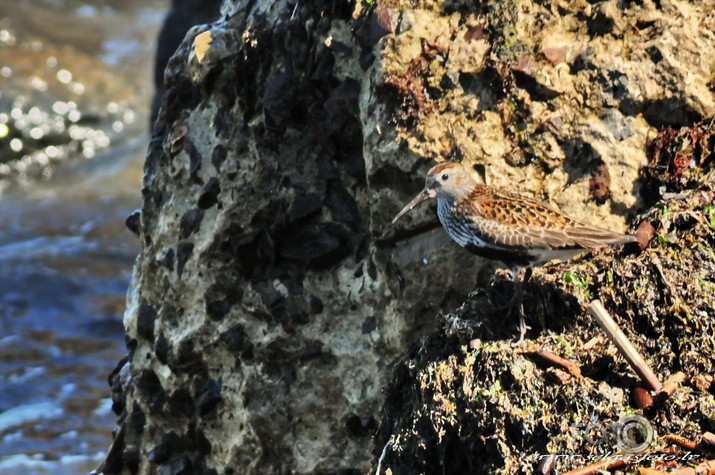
(423, 196)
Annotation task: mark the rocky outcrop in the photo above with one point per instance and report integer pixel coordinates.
(464, 400)
(272, 297)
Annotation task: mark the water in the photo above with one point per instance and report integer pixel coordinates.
(75, 87)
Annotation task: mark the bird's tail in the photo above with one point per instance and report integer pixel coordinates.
(592, 237)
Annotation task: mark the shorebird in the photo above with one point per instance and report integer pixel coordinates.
(520, 232)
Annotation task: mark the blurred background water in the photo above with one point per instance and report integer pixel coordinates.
(75, 91)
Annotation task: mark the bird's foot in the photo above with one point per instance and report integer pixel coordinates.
(510, 302)
(514, 305)
(513, 308)
(505, 299)
(523, 327)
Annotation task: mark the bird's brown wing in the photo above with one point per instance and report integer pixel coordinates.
(504, 219)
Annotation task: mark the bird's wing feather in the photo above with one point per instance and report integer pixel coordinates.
(504, 219)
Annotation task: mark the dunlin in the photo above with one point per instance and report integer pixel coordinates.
(519, 231)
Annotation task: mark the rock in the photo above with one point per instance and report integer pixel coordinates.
(289, 300)
(280, 99)
(167, 259)
(486, 401)
(381, 22)
(645, 233)
(181, 17)
(209, 395)
(183, 252)
(343, 207)
(616, 123)
(305, 205)
(312, 246)
(600, 183)
(145, 321)
(237, 341)
(525, 65)
(218, 155)
(133, 222)
(190, 222)
(361, 425)
(555, 56)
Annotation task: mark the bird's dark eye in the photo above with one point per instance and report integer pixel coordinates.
(444, 177)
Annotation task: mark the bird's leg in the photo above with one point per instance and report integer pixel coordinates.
(519, 303)
(504, 301)
(516, 294)
(527, 275)
(518, 300)
(515, 303)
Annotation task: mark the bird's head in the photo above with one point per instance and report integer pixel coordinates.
(449, 181)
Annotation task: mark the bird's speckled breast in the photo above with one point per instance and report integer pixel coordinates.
(458, 228)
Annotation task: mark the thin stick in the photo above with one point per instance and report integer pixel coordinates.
(596, 467)
(650, 471)
(681, 441)
(556, 360)
(624, 345)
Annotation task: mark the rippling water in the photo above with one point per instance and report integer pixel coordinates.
(75, 87)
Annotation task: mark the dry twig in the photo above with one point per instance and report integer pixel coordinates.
(681, 441)
(597, 467)
(629, 352)
(554, 359)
